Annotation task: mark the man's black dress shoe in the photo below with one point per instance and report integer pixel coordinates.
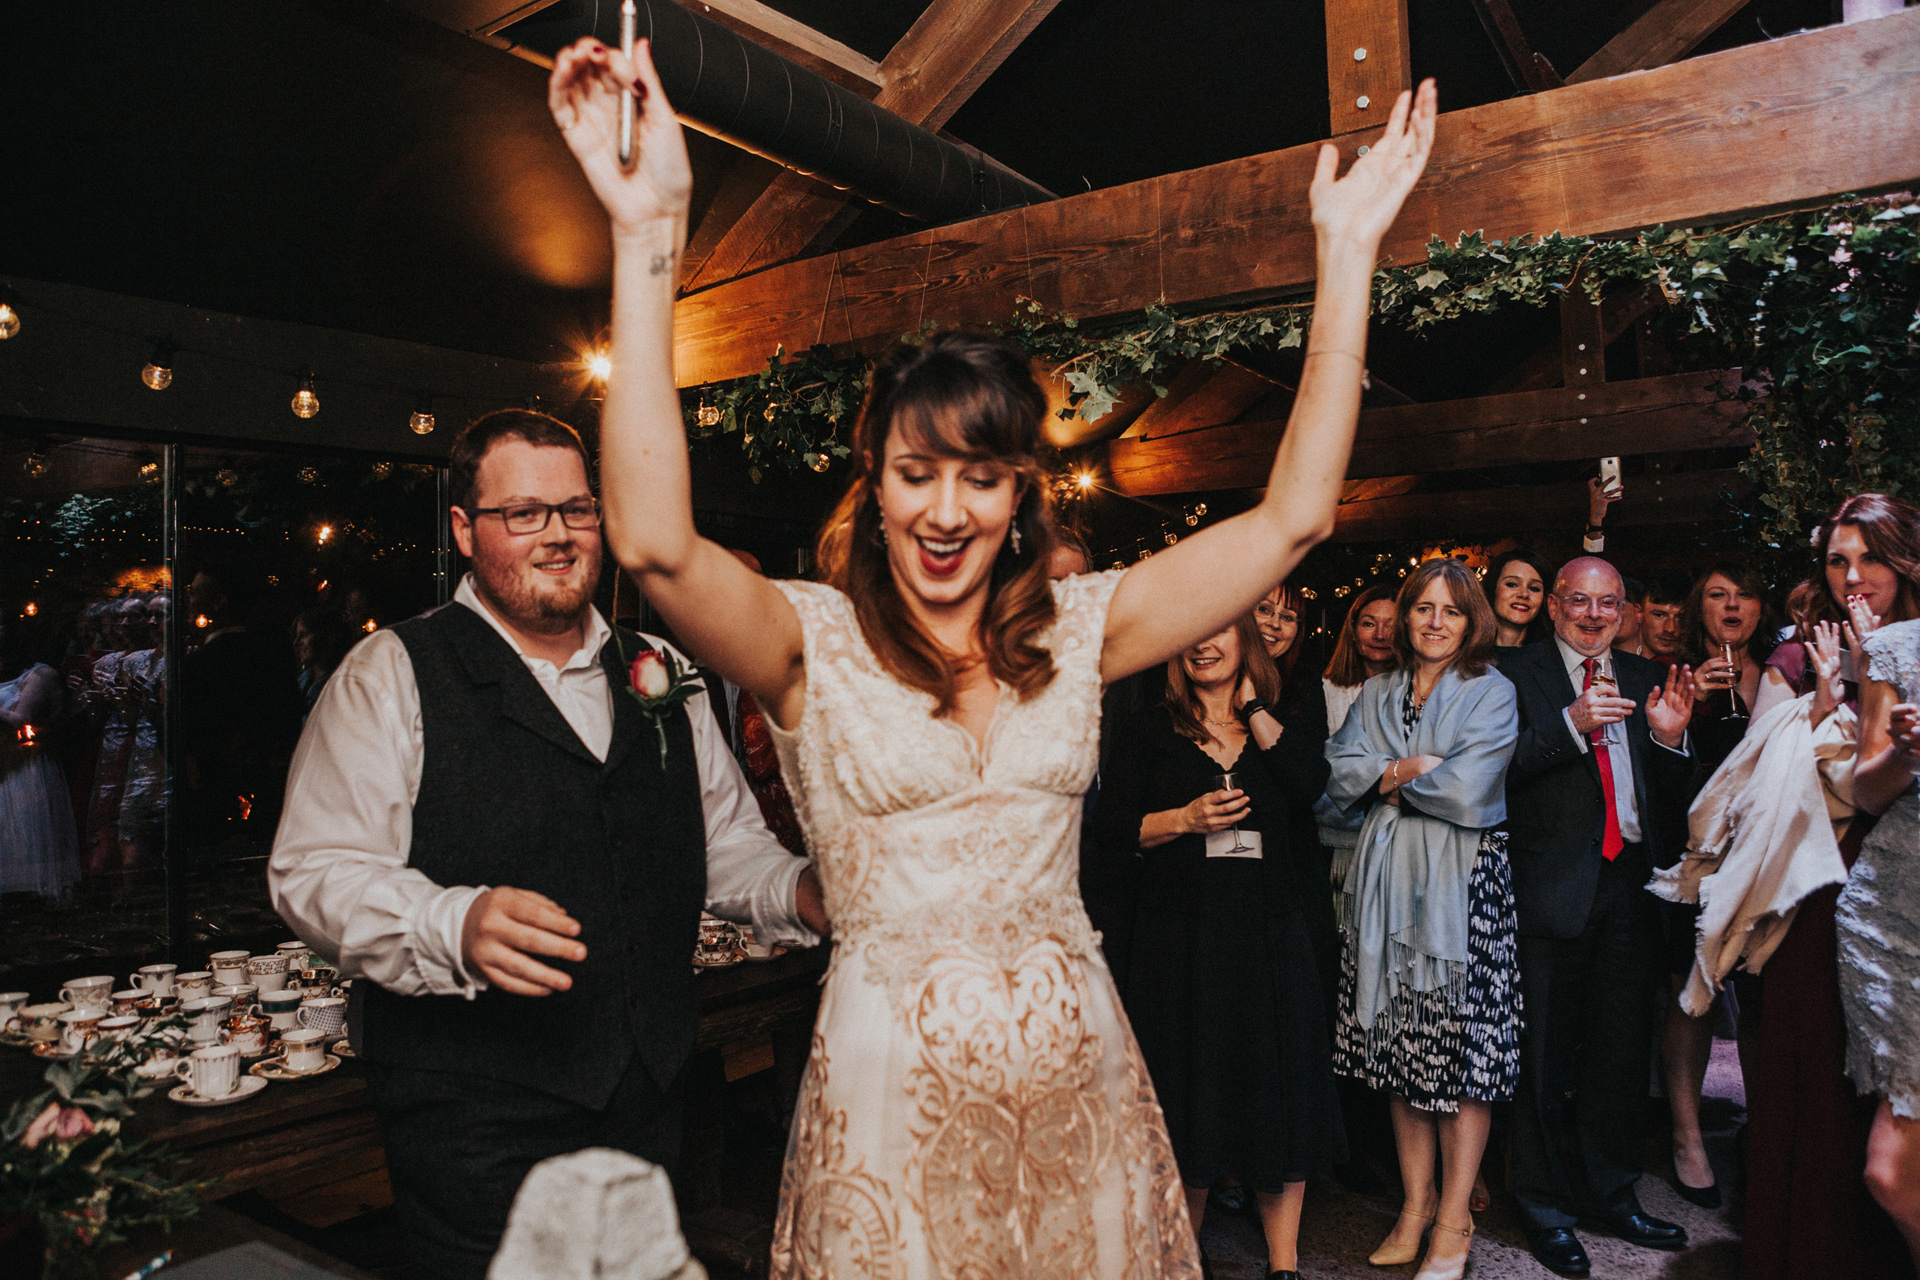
(1644, 1229)
(1559, 1251)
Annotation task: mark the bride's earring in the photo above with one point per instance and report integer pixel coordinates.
(1014, 537)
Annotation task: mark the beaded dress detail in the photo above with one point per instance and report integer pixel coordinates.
(975, 1105)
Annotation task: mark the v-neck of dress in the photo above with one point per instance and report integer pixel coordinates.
(1229, 767)
(980, 749)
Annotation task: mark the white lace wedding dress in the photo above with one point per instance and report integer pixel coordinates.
(975, 1105)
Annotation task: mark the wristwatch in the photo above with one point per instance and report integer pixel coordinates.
(1248, 707)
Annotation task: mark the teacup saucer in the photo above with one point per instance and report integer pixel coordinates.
(246, 1088)
(340, 1048)
(156, 1069)
(14, 1040)
(775, 954)
(51, 1051)
(275, 1068)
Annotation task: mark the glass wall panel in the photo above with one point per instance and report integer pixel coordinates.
(284, 561)
(84, 601)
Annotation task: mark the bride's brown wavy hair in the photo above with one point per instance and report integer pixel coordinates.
(957, 396)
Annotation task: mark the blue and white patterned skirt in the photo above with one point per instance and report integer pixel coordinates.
(1453, 1045)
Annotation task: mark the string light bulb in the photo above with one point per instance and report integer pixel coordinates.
(819, 461)
(599, 365)
(36, 465)
(305, 402)
(707, 415)
(9, 314)
(421, 420)
(158, 372)
(1084, 480)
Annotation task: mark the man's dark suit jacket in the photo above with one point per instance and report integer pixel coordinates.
(1556, 812)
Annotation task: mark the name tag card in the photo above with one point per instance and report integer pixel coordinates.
(1220, 845)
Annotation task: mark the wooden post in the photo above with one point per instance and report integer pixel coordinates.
(1583, 343)
(1368, 62)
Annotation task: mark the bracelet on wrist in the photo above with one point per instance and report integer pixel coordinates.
(1250, 706)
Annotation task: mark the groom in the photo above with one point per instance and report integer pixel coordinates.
(480, 829)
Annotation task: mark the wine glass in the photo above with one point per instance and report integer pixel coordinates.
(1734, 710)
(1231, 782)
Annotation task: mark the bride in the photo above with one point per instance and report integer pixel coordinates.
(975, 1104)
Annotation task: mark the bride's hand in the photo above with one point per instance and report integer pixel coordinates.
(584, 94)
(1361, 206)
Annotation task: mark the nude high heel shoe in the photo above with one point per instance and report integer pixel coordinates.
(1451, 1270)
(1387, 1255)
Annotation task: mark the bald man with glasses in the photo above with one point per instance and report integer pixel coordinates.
(1601, 770)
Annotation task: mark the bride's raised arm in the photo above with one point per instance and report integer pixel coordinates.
(728, 616)
(1192, 590)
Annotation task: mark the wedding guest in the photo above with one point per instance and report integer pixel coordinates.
(143, 800)
(1726, 612)
(1430, 1003)
(1663, 610)
(1878, 922)
(480, 826)
(1363, 650)
(1516, 587)
(1223, 992)
(39, 849)
(1599, 772)
(320, 640)
(1809, 1213)
(1629, 637)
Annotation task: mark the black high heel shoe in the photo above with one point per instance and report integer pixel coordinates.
(1707, 1197)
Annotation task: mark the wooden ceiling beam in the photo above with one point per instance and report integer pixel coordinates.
(1665, 33)
(1619, 312)
(1646, 415)
(1202, 395)
(1797, 119)
(947, 53)
(1683, 497)
(1528, 70)
(1368, 62)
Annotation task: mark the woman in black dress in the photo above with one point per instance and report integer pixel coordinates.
(1223, 991)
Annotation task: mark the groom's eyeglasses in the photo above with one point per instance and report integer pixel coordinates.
(534, 517)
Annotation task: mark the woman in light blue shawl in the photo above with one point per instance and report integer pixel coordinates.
(1429, 991)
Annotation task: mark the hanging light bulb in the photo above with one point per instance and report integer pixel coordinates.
(421, 421)
(36, 465)
(819, 461)
(158, 373)
(707, 415)
(305, 402)
(9, 316)
(599, 365)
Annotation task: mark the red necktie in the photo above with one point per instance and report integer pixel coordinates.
(1612, 842)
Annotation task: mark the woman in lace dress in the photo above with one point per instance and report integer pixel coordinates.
(1878, 923)
(974, 1103)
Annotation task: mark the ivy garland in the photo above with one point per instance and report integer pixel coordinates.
(1822, 305)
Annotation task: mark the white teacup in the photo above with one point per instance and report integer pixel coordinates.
(157, 978)
(118, 1027)
(305, 1051)
(88, 993)
(243, 994)
(78, 1027)
(204, 1017)
(297, 954)
(325, 1014)
(228, 967)
(269, 973)
(197, 985)
(212, 1071)
(39, 1022)
(11, 1003)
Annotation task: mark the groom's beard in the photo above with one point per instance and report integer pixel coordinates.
(527, 593)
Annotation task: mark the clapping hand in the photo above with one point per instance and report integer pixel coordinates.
(1903, 725)
(1825, 656)
(586, 95)
(1861, 622)
(1361, 206)
(1669, 708)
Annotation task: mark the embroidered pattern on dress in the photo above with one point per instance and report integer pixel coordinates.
(835, 1218)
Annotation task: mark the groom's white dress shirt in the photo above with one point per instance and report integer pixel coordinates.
(339, 873)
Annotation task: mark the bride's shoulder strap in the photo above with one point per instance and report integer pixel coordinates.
(1081, 602)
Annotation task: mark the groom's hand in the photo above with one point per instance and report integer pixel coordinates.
(506, 928)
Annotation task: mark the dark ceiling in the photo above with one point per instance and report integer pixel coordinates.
(345, 163)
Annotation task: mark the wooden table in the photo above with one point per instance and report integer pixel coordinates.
(297, 1128)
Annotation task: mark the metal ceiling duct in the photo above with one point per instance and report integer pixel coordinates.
(724, 84)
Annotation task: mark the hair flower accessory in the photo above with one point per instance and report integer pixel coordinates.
(660, 685)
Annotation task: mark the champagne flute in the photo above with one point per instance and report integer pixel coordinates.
(1230, 781)
(1734, 710)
